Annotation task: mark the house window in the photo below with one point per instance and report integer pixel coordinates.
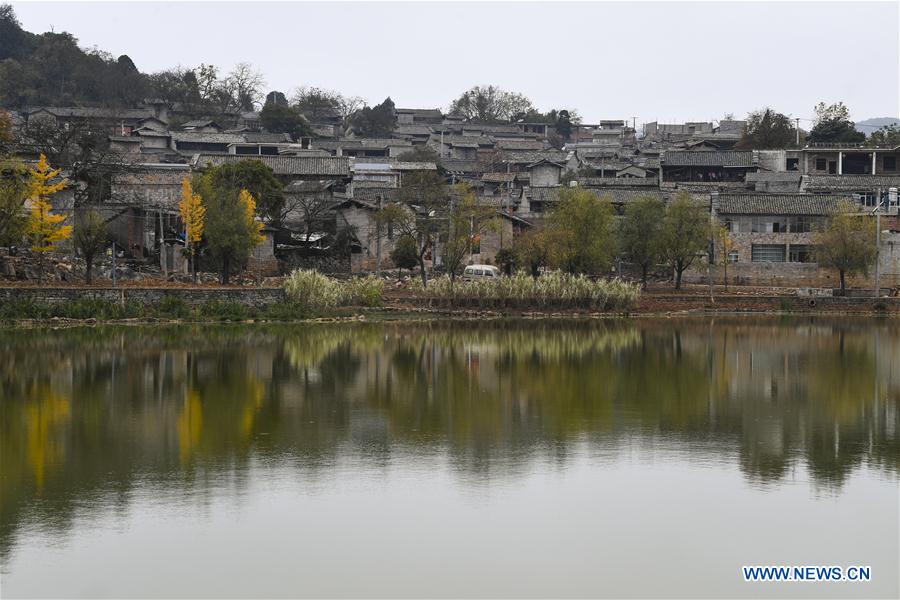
(889, 163)
(821, 164)
(800, 253)
(733, 256)
(793, 164)
(866, 198)
(767, 253)
(800, 225)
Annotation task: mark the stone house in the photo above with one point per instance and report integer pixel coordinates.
(707, 166)
(837, 159)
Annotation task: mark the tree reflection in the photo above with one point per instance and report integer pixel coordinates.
(95, 410)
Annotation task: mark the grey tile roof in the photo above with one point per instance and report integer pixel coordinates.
(285, 165)
(93, 113)
(848, 182)
(790, 176)
(731, 158)
(617, 182)
(461, 165)
(778, 204)
(616, 196)
(532, 156)
(258, 137)
(207, 138)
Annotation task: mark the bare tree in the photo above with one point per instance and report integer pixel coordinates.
(245, 84)
(490, 103)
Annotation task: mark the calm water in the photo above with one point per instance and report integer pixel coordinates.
(622, 458)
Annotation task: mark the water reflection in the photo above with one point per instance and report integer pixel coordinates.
(92, 412)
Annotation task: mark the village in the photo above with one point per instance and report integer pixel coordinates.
(356, 190)
(334, 183)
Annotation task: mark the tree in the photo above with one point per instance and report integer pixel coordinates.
(44, 228)
(580, 232)
(685, 234)
(230, 227)
(13, 194)
(768, 130)
(89, 239)
(245, 84)
(506, 260)
(257, 178)
(490, 104)
(420, 154)
(847, 244)
(284, 119)
(192, 212)
(377, 121)
(405, 254)
(641, 233)
(886, 136)
(276, 97)
(833, 126)
(466, 221)
(423, 201)
(532, 250)
(724, 244)
(319, 103)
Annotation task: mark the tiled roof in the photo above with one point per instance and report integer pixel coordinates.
(520, 144)
(849, 182)
(460, 165)
(616, 196)
(258, 137)
(790, 176)
(617, 182)
(207, 138)
(371, 194)
(498, 177)
(675, 158)
(778, 204)
(533, 156)
(412, 130)
(94, 113)
(285, 165)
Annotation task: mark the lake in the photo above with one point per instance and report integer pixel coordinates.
(641, 458)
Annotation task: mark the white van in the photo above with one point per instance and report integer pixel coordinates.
(479, 272)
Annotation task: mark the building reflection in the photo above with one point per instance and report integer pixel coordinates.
(94, 411)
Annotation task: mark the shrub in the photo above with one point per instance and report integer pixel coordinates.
(552, 290)
(311, 290)
(226, 311)
(173, 306)
(364, 291)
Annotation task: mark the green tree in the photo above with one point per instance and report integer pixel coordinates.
(889, 136)
(229, 227)
(685, 234)
(489, 103)
(90, 239)
(13, 194)
(847, 243)
(580, 232)
(833, 126)
(724, 244)
(257, 178)
(532, 250)
(768, 130)
(405, 254)
(641, 233)
(284, 119)
(376, 121)
(506, 260)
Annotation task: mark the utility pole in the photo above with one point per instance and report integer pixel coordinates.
(162, 246)
(378, 241)
(114, 263)
(798, 131)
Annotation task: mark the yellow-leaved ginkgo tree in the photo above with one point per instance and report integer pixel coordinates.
(192, 213)
(44, 228)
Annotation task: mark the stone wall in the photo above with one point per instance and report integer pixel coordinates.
(255, 297)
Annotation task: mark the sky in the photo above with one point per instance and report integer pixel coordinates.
(665, 61)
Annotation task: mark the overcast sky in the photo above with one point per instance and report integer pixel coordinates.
(671, 61)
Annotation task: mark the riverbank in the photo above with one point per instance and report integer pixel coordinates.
(73, 304)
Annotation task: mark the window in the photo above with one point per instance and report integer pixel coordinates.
(767, 253)
(866, 198)
(821, 164)
(889, 163)
(800, 254)
(733, 256)
(793, 164)
(800, 225)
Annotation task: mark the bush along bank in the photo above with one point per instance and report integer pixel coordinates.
(310, 290)
(553, 290)
(169, 308)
